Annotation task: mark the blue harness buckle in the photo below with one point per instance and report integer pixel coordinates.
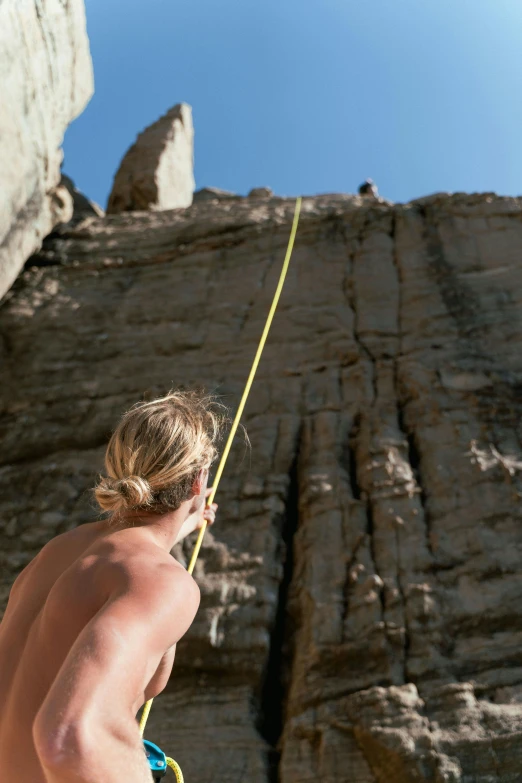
(156, 758)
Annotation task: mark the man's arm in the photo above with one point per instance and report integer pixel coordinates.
(86, 730)
(195, 520)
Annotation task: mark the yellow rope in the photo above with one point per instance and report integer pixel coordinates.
(255, 363)
(235, 425)
(176, 769)
(145, 715)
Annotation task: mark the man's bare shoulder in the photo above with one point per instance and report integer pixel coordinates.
(59, 552)
(154, 570)
(104, 564)
(147, 588)
(143, 571)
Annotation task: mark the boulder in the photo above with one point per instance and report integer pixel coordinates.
(213, 194)
(262, 192)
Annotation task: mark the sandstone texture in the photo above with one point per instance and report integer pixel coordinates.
(157, 172)
(46, 77)
(82, 206)
(213, 194)
(361, 590)
(262, 192)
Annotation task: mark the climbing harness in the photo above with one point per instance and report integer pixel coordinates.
(158, 761)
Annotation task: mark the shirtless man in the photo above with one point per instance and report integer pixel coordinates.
(91, 626)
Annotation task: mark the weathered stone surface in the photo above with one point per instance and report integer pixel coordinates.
(213, 194)
(261, 193)
(46, 77)
(157, 172)
(362, 589)
(82, 206)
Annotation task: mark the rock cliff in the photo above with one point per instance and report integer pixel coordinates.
(361, 590)
(46, 77)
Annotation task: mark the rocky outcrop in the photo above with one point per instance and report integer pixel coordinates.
(46, 77)
(261, 193)
(213, 194)
(82, 206)
(360, 618)
(157, 172)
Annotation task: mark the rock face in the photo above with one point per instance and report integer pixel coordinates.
(82, 206)
(46, 77)
(261, 193)
(157, 172)
(361, 590)
(213, 194)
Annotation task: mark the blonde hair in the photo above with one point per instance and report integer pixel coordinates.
(157, 451)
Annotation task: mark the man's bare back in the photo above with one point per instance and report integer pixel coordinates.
(90, 629)
(91, 576)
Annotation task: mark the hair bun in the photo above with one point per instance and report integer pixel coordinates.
(135, 490)
(121, 494)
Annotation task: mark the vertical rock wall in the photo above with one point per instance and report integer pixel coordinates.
(46, 77)
(361, 590)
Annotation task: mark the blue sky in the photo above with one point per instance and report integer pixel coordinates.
(311, 96)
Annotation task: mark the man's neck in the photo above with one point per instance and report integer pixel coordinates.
(163, 529)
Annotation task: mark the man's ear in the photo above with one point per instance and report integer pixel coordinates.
(199, 482)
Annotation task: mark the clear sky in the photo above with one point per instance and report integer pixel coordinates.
(311, 96)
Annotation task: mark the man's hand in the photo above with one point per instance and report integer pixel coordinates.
(195, 521)
(209, 513)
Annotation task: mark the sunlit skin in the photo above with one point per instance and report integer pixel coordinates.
(88, 636)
